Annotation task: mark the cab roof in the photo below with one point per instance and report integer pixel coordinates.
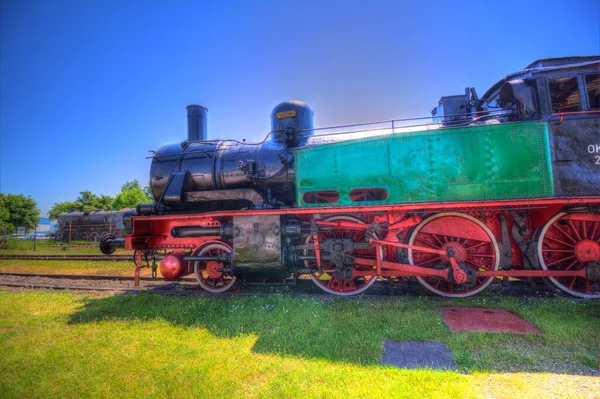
(545, 65)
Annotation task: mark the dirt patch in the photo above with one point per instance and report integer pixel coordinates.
(486, 319)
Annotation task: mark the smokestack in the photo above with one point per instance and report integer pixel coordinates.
(197, 117)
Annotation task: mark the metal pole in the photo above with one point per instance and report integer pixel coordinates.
(34, 236)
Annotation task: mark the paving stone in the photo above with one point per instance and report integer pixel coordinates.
(486, 319)
(413, 355)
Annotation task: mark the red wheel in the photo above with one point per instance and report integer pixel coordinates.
(568, 242)
(326, 280)
(209, 274)
(473, 243)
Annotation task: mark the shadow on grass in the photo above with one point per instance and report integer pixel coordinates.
(352, 330)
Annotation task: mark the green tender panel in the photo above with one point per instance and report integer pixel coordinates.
(493, 162)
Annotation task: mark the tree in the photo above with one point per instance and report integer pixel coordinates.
(131, 195)
(148, 192)
(62, 207)
(4, 215)
(18, 210)
(87, 201)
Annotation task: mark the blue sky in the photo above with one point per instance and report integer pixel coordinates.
(88, 87)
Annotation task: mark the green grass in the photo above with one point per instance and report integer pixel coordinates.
(62, 344)
(48, 247)
(70, 267)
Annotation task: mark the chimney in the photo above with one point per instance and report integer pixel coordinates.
(197, 118)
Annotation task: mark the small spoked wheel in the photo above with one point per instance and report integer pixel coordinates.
(473, 243)
(569, 241)
(209, 273)
(327, 280)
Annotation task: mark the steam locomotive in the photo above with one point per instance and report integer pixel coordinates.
(506, 185)
(88, 225)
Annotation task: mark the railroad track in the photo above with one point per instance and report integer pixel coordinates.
(188, 286)
(87, 282)
(72, 246)
(110, 277)
(97, 258)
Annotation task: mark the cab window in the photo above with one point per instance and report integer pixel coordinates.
(564, 93)
(592, 86)
(368, 194)
(321, 197)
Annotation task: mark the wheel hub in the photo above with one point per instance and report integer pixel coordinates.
(212, 268)
(460, 253)
(587, 251)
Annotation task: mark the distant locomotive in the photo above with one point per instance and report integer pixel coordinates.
(89, 225)
(506, 185)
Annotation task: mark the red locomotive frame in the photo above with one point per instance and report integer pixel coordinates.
(462, 261)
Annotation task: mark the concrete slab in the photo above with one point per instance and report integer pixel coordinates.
(413, 355)
(486, 319)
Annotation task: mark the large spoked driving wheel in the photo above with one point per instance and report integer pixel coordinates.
(210, 274)
(569, 241)
(327, 280)
(473, 243)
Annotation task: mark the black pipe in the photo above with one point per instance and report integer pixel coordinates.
(109, 243)
(306, 257)
(225, 230)
(222, 259)
(146, 209)
(194, 231)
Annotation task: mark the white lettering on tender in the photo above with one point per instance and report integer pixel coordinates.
(594, 148)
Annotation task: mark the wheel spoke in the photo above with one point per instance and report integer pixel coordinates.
(427, 243)
(560, 242)
(476, 245)
(570, 251)
(473, 263)
(574, 230)
(565, 234)
(213, 284)
(594, 231)
(437, 258)
(482, 256)
(572, 264)
(325, 280)
(560, 260)
(475, 254)
(556, 254)
(437, 239)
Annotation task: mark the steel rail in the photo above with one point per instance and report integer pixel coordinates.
(90, 276)
(67, 287)
(107, 258)
(190, 290)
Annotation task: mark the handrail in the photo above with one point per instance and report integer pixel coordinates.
(563, 114)
(391, 126)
